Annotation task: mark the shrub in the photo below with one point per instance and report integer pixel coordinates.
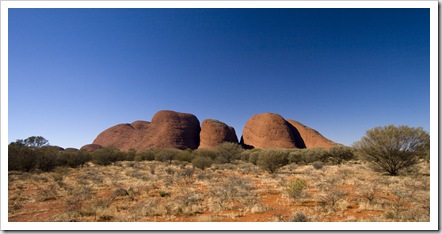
(105, 156)
(392, 149)
(318, 165)
(167, 154)
(147, 155)
(228, 151)
(316, 154)
(253, 156)
(129, 155)
(300, 217)
(272, 159)
(209, 153)
(21, 158)
(185, 155)
(202, 162)
(295, 188)
(297, 156)
(341, 153)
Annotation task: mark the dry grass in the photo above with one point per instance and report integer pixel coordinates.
(156, 191)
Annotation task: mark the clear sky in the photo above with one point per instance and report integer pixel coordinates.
(75, 72)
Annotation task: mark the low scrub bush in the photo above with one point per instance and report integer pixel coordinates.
(185, 155)
(318, 165)
(202, 162)
(295, 188)
(146, 155)
(272, 159)
(167, 154)
(106, 156)
(228, 152)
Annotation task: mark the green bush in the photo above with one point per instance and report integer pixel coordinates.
(146, 155)
(297, 156)
(74, 159)
(341, 153)
(272, 159)
(209, 153)
(316, 154)
(166, 154)
(21, 157)
(254, 156)
(105, 156)
(228, 152)
(185, 155)
(202, 162)
(130, 155)
(47, 158)
(318, 165)
(295, 188)
(393, 149)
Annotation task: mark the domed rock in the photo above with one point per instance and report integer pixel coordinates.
(214, 132)
(268, 130)
(70, 149)
(140, 124)
(311, 137)
(170, 129)
(91, 147)
(121, 136)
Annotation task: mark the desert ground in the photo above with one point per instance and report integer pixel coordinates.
(153, 191)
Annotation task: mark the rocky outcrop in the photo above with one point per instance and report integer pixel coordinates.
(214, 132)
(121, 136)
(91, 147)
(168, 129)
(268, 130)
(311, 137)
(71, 149)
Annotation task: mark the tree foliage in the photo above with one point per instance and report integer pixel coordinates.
(34, 141)
(392, 148)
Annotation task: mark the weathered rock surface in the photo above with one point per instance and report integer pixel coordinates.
(71, 149)
(311, 137)
(214, 132)
(268, 130)
(168, 129)
(121, 136)
(91, 147)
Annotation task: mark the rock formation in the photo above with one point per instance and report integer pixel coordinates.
(168, 129)
(270, 130)
(171, 129)
(91, 147)
(214, 132)
(311, 137)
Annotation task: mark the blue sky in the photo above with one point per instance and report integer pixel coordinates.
(75, 72)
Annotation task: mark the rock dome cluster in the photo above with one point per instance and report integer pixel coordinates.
(170, 129)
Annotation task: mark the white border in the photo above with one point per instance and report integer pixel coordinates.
(432, 225)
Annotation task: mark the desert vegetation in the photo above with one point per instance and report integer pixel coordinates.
(225, 183)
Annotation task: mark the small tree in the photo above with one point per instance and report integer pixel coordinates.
(35, 141)
(392, 148)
